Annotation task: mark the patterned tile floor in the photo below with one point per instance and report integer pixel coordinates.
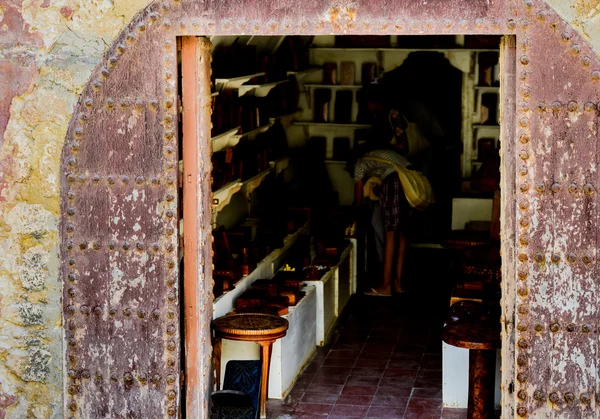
(383, 363)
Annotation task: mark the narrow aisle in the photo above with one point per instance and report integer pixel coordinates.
(386, 362)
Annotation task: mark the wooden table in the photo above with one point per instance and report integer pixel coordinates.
(482, 340)
(263, 329)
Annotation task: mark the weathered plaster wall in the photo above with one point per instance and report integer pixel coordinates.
(48, 48)
(47, 51)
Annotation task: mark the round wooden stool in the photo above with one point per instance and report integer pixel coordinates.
(263, 329)
(482, 342)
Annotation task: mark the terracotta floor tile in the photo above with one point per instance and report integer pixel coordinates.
(448, 413)
(319, 398)
(404, 364)
(334, 371)
(427, 393)
(362, 381)
(328, 379)
(425, 404)
(360, 390)
(428, 383)
(325, 388)
(431, 362)
(353, 399)
(314, 409)
(386, 412)
(422, 414)
(389, 401)
(348, 410)
(394, 392)
(371, 363)
(396, 372)
(341, 353)
(367, 372)
(397, 382)
(338, 362)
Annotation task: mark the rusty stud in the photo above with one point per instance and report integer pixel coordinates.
(71, 310)
(523, 257)
(96, 246)
(72, 277)
(141, 27)
(112, 311)
(71, 211)
(170, 180)
(540, 188)
(170, 197)
(171, 345)
(524, 187)
(171, 264)
(128, 377)
(126, 246)
(85, 374)
(99, 376)
(97, 310)
(522, 327)
(71, 195)
(70, 245)
(97, 84)
(170, 314)
(153, 16)
(585, 398)
(170, 378)
(140, 246)
(143, 378)
(588, 189)
(522, 377)
(522, 394)
(572, 257)
(541, 107)
(539, 327)
(71, 292)
(525, 221)
(139, 104)
(170, 213)
(70, 228)
(596, 75)
(171, 296)
(555, 258)
(571, 327)
(522, 291)
(74, 146)
(572, 188)
(524, 60)
(553, 397)
(573, 106)
(539, 257)
(73, 406)
(155, 379)
(522, 411)
(127, 312)
(71, 178)
(72, 162)
(170, 247)
(523, 309)
(171, 395)
(170, 231)
(84, 309)
(172, 411)
(72, 262)
(110, 180)
(155, 181)
(524, 122)
(511, 24)
(171, 281)
(554, 327)
(523, 171)
(586, 328)
(524, 138)
(171, 362)
(155, 247)
(170, 150)
(171, 330)
(523, 76)
(589, 107)
(156, 314)
(167, 24)
(72, 374)
(125, 179)
(523, 154)
(112, 245)
(586, 61)
(587, 259)
(524, 239)
(569, 397)
(522, 360)
(141, 313)
(82, 245)
(130, 37)
(556, 106)
(73, 390)
(539, 395)
(104, 72)
(524, 204)
(114, 376)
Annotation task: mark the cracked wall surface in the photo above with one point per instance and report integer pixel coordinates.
(48, 49)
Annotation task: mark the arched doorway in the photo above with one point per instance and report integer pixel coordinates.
(119, 194)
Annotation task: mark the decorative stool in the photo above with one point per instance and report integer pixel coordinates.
(263, 329)
(482, 342)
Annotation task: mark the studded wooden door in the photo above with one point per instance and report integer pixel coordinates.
(119, 234)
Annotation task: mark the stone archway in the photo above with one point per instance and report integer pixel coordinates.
(119, 192)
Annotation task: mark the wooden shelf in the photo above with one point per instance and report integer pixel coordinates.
(225, 140)
(236, 82)
(258, 90)
(254, 133)
(288, 119)
(280, 165)
(331, 124)
(334, 86)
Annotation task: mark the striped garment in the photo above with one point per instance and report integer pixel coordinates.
(367, 168)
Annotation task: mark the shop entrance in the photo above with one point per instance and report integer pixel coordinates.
(292, 119)
(120, 194)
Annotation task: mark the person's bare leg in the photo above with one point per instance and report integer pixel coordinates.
(402, 245)
(389, 252)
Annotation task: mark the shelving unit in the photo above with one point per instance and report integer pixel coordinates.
(258, 90)
(235, 82)
(225, 140)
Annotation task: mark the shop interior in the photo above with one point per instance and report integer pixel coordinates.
(291, 117)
